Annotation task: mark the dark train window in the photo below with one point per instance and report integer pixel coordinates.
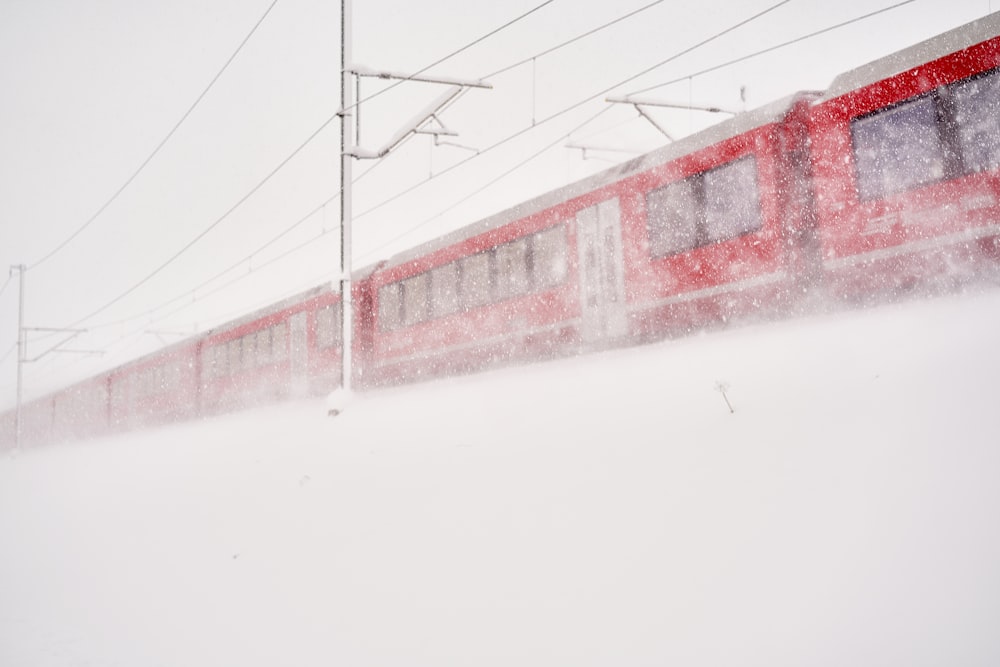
(548, 257)
(942, 134)
(977, 116)
(672, 218)
(390, 306)
(732, 205)
(444, 290)
(415, 299)
(898, 149)
(279, 349)
(512, 261)
(713, 206)
(235, 356)
(219, 356)
(250, 351)
(476, 280)
(328, 326)
(264, 346)
(518, 267)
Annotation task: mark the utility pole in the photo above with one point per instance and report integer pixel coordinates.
(346, 176)
(22, 349)
(20, 268)
(349, 151)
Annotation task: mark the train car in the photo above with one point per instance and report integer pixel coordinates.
(718, 226)
(706, 229)
(81, 410)
(155, 389)
(906, 156)
(289, 349)
(76, 412)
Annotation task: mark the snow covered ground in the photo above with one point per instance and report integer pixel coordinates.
(607, 510)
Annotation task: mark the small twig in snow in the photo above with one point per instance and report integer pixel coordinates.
(722, 387)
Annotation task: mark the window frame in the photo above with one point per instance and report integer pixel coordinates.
(698, 185)
(949, 131)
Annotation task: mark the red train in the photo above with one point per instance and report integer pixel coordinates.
(888, 181)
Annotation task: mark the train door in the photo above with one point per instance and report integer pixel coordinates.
(299, 350)
(602, 274)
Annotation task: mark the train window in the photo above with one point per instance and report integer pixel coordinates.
(475, 280)
(279, 351)
(264, 346)
(328, 326)
(732, 203)
(672, 218)
(512, 269)
(977, 116)
(220, 359)
(709, 207)
(898, 149)
(389, 306)
(172, 375)
(415, 298)
(249, 351)
(444, 290)
(235, 360)
(548, 257)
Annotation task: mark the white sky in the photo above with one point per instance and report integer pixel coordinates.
(89, 89)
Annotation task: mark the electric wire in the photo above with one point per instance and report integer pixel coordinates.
(577, 105)
(274, 171)
(159, 146)
(775, 47)
(240, 262)
(446, 170)
(573, 39)
(328, 120)
(451, 55)
(208, 229)
(487, 185)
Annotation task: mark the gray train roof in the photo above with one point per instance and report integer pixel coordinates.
(270, 309)
(732, 127)
(957, 39)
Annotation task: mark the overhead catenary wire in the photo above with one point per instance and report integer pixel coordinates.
(187, 293)
(325, 124)
(7, 353)
(487, 185)
(79, 230)
(557, 114)
(775, 47)
(451, 55)
(572, 40)
(276, 169)
(577, 105)
(329, 200)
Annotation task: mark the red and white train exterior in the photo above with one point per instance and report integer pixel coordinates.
(887, 181)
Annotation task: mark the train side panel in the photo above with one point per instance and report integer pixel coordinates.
(156, 389)
(290, 350)
(507, 293)
(907, 166)
(721, 232)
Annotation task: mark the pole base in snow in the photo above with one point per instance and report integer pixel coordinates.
(337, 401)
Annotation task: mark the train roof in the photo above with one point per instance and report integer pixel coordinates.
(954, 40)
(260, 313)
(739, 124)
